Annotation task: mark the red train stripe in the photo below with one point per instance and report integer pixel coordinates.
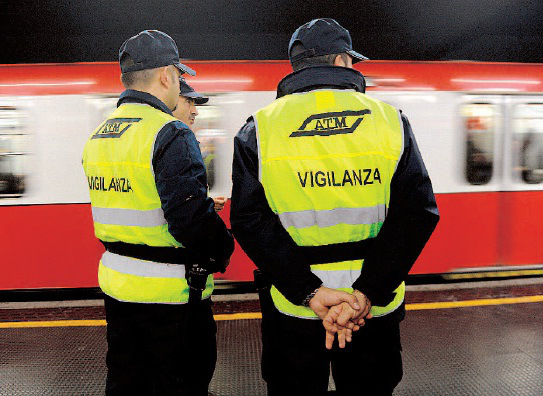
(226, 76)
(53, 246)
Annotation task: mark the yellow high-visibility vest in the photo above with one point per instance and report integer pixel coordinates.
(326, 160)
(126, 207)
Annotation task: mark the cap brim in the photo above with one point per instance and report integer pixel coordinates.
(198, 98)
(185, 69)
(357, 56)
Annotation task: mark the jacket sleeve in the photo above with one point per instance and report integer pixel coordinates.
(258, 229)
(182, 187)
(412, 217)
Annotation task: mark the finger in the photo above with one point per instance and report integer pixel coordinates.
(352, 301)
(344, 317)
(350, 325)
(331, 318)
(329, 324)
(329, 340)
(348, 335)
(320, 310)
(341, 338)
(356, 327)
(335, 311)
(361, 322)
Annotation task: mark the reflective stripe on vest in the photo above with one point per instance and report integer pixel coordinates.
(133, 266)
(145, 281)
(328, 218)
(126, 207)
(129, 217)
(326, 160)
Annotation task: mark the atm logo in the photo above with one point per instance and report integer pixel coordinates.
(115, 127)
(327, 124)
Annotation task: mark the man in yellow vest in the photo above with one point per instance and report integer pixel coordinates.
(330, 199)
(163, 239)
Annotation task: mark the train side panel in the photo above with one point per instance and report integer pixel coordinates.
(471, 142)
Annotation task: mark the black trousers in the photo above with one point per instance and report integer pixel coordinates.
(296, 362)
(159, 349)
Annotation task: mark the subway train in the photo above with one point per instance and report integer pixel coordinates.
(479, 127)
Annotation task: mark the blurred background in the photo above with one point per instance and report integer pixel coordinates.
(80, 30)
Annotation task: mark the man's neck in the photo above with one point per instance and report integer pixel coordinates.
(157, 92)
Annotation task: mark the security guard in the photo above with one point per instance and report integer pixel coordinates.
(186, 109)
(330, 198)
(151, 211)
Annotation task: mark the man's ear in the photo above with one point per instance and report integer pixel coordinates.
(165, 76)
(338, 61)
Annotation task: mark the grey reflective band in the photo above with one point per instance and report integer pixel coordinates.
(149, 269)
(327, 218)
(337, 279)
(129, 217)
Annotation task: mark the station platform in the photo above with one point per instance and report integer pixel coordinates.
(483, 338)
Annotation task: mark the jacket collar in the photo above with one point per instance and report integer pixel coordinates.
(318, 77)
(133, 96)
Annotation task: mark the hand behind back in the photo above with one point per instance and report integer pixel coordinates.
(342, 319)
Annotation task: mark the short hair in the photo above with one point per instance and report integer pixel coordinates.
(329, 59)
(139, 78)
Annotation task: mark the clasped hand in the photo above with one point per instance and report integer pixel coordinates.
(341, 313)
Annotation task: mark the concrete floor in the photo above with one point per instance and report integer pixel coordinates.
(448, 350)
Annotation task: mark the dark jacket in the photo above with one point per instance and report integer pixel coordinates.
(182, 187)
(411, 218)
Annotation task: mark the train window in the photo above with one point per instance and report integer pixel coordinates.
(528, 142)
(479, 121)
(12, 172)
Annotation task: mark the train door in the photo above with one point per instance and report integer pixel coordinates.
(521, 232)
(461, 140)
(471, 212)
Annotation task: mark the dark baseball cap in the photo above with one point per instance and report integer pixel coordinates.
(322, 36)
(150, 49)
(187, 91)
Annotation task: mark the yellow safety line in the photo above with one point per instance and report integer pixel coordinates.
(52, 323)
(496, 274)
(238, 316)
(258, 315)
(473, 303)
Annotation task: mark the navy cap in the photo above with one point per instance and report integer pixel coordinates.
(187, 91)
(322, 36)
(148, 50)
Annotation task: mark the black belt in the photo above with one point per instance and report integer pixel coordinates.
(335, 252)
(310, 254)
(160, 254)
(196, 276)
